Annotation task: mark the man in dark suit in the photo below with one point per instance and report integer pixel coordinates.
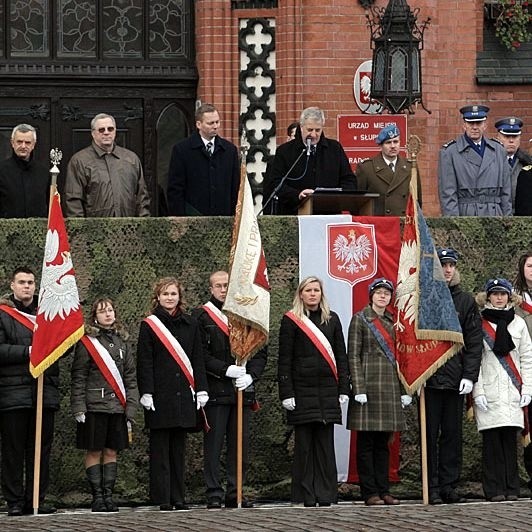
(204, 174)
(324, 165)
(388, 173)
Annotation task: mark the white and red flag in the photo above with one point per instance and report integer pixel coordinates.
(347, 252)
(247, 303)
(59, 321)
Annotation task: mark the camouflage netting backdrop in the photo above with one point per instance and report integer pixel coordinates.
(121, 258)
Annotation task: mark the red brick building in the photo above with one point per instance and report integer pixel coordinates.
(316, 47)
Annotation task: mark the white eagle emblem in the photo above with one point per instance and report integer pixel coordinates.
(58, 294)
(365, 87)
(407, 278)
(352, 251)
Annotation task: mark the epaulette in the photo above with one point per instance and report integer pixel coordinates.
(527, 168)
(450, 143)
(497, 140)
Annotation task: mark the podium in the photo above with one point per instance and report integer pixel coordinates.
(337, 201)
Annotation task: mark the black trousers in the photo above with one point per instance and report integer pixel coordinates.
(17, 429)
(223, 420)
(373, 458)
(314, 476)
(500, 475)
(167, 465)
(527, 452)
(444, 412)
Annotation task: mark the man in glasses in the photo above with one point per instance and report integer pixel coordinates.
(104, 179)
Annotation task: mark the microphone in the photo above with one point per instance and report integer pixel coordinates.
(309, 144)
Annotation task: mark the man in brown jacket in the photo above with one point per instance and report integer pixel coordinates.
(388, 174)
(104, 179)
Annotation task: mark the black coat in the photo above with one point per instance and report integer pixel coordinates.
(160, 375)
(218, 357)
(328, 168)
(523, 192)
(199, 184)
(466, 363)
(18, 388)
(24, 188)
(305, 375)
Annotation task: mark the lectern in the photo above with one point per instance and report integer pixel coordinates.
(337, 201)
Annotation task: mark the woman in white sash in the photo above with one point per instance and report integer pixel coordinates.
(523, 287)
(173, 385)
(313, 380)
(102, 406)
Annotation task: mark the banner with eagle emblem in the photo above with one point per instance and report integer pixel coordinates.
(427, 330)
(347, 252)
(59, 321)
(247, 303)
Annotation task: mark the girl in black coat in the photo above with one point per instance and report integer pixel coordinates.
(166, 389)
(311, 389)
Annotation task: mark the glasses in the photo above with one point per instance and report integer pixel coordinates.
(109, 129)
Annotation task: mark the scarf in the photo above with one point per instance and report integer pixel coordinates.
(501, 318)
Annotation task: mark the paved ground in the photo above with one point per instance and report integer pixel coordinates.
(409, 516)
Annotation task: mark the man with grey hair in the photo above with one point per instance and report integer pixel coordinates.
(322, 163)
(104, 179)
(24, 183)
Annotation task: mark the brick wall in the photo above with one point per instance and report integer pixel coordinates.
(320, 44)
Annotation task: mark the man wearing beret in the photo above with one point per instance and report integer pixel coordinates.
(445, 391)
(388, 174)
(509, 135)
(473, 171)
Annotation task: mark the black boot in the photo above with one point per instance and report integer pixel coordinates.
(94, 476)
(109, 478)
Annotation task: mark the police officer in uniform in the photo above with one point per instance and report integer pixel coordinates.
(473, 171)
(509, 135)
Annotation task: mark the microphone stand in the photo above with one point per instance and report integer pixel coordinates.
(273, 196)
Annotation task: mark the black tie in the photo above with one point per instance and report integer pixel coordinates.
(392, 166)
(511, 161)
(209, 148)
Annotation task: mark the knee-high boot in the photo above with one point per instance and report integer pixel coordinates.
(94, 476)
(109, 479)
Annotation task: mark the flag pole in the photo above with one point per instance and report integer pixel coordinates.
(423, 436)
(239, 426)
(55, 156)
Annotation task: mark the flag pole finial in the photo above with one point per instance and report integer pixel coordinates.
(55, 158)
(413, 147)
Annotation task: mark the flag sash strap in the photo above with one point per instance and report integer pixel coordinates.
(28, 320)
(507, 360)
(107, 366)
(319, 340)
(382, 336)
(218, 317)
(526, 306)
(173, 347)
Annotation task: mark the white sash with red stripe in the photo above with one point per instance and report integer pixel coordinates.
(28, 320)
(217, 316)
(319, 340)
(173, 347)
(106, 365)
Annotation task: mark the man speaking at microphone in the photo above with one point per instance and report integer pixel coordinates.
(322, 163)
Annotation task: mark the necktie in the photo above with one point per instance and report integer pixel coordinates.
(511, 161)
(210, 148)
(392, 167)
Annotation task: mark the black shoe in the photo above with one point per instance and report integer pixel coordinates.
(180, 506)
(512, 497)
(231, 503)
(309, 504)
(452, 498)
(44, 509)
(214, 503)
(15, 510)
(435, 499)
(166, 507)
(324, 503)
(497, 498)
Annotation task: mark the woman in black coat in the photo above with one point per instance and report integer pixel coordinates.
(173, 385)
(313, 381)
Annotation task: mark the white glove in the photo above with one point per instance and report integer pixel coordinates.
(361, 398)
(482, 403)
(343, 398)
(465, 386)
(147, 401)
(201, 399)
(233, 372)
(243, 382)
(406, 400)
(290, 403)
(525, 400)
(80, 417)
